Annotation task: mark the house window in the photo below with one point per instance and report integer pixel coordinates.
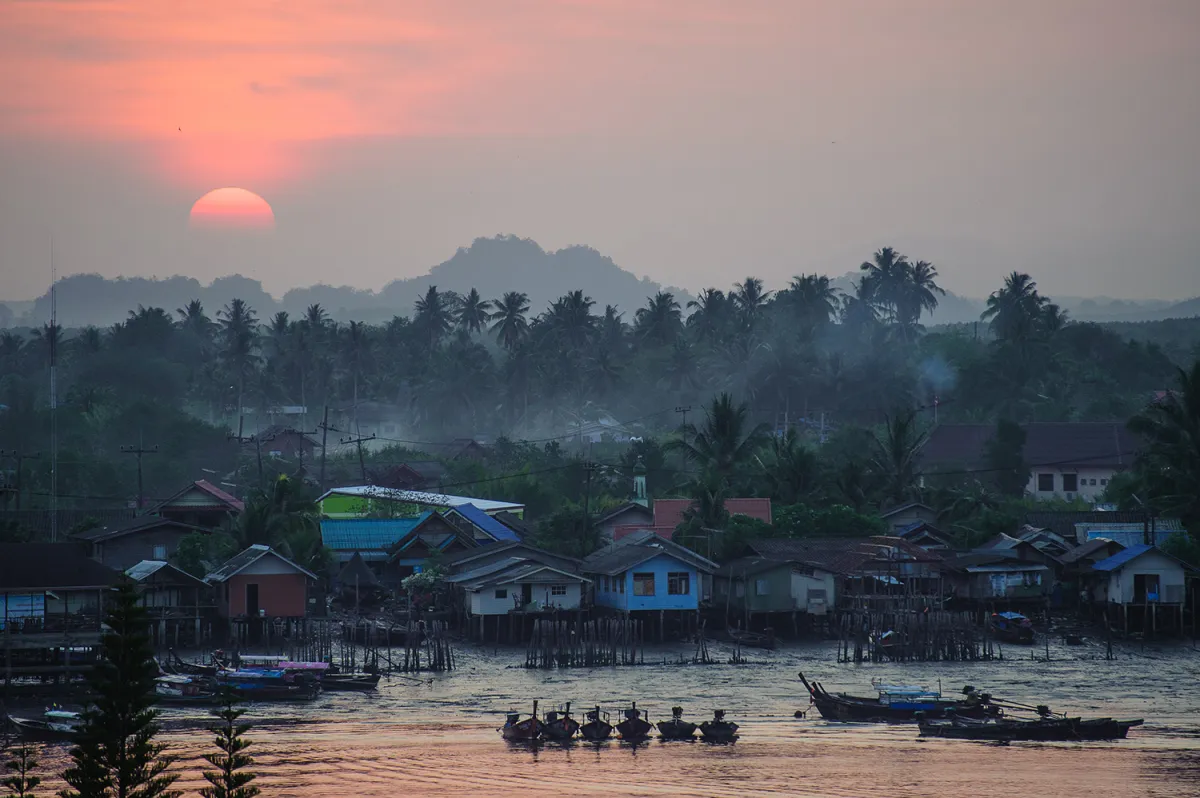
(1103, 481)
(1070, 483)
(558, 590)
(501, 593)
(643, 584)
(678, 584)
(621, 584)
(160, 552)
(762, 587)
(1045, 483)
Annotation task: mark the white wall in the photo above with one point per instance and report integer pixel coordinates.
(267, 565)
(1088, 491)
(1170, 578)
(820, 580)
(484, 601)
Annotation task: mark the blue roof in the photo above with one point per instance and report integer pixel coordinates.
(367, 534)
(1121, 557)
(485, 522)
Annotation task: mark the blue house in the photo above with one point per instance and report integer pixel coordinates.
(643, 572)
(394, 547)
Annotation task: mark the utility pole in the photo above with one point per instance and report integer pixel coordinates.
(243, 439)
(17, 455)
(683, 411)
(358, 441)
(138, 451)
(588, 468)
(324, 438)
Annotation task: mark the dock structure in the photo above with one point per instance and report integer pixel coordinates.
(913, 636)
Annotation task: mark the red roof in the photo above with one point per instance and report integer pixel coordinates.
(222, 499)
(669, 512)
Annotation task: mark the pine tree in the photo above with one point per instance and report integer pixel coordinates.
(229, 780)
(22, 784)
(116, 756)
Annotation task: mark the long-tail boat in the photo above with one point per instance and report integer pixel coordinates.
(1045, 728)
(360, 682)
(1011, 627)
(56, 725)
(521, 729)
(718, 730)
(676, 728)
(559, 725)
(596, 726)
(896, 704)
(268, 685)
(177, 689)
(634, 727)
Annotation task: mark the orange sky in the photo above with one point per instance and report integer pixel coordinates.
(690, 139)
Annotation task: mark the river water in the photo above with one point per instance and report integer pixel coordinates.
(437, 736)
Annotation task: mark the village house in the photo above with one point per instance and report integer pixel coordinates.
(373, 538)
(1067, 460)
(629, 516)
(643, 573)
(261, 582)
(906, 515)
(479, 526)
(487, 555)
(927, 536)
(181, 607)
(670, 513)
(51, 608)
(1144, 586)
(432, 538)
(366, 501)
(287, 442)
(123, 544)
(998, 578)
(759, 585)
(423, 475)
(200, 504)
(519, 585)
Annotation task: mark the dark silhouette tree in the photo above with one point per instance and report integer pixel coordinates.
(22, 782)
(230, 779)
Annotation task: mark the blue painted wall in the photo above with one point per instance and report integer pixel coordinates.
(660, 566)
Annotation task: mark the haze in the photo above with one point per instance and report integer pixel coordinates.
(693, 142)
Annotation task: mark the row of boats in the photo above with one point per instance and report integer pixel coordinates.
(973, 716)
(560, 726)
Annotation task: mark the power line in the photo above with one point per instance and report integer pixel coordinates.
(138, 451)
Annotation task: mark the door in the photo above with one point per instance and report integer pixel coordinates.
(526, 594)
(1145, 588)
(252, 599)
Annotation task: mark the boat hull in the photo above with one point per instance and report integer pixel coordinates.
(596, 731)
(40, 730)
(860, 709)
(1049, 730)
(526, 730)
(634, 729)
(718, 731)
(562, 729)
(357, 682)
(676, 729)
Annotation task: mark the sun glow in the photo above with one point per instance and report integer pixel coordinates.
(232, 208)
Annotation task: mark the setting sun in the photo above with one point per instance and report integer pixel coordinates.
(232, 208)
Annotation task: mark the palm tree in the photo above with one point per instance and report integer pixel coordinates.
(434, 316)
(354, 354)
(194, 321)
(725, 442)
(789, 468)
(813, 299)
(884, 278)
(711, 314)
(897, 454)
(1169, 462)
(1015, 309)
(661, 320)
(473, 312)
(860, 310)
(749, 299)
(570, 318)
(238, 332)
(511, 325)
(917, 294)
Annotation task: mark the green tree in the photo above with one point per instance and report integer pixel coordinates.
(897, 451)
(1169, 463)
(473, 312)
(116, 756)
(511, 323)
(22, 782)
(230, 779)
(725, 442)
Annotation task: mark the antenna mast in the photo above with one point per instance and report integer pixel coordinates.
(53, 396)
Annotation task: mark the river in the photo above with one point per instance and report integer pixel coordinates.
(437, 736)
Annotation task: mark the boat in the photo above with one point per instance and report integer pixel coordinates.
(718, 730)
(177, 689)
(898, 704)
(1045, 728)
(744, 637)
(268, 685)
(174, 665)
(1011, 627)
(344, 682)
(676, 728)
(521, 729)
(596, 726)
(56, 725)
(559, 725)
(634, 727)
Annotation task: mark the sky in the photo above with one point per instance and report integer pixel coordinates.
(694, 142)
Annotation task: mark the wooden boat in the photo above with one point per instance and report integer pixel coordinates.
(1042, 729)
(264, 685)
(174, 665)
(1011, 627)
(560, 725)
(634, 727)
(521, 729)
(745, 637)
(56, 725)
(896, 704)
(343, 682)
(676, 728)
(596, 726)
(718, 730)
(177, 689)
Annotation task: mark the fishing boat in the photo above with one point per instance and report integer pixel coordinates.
(898, 704)
(177, 689)
(676, 728)
(56, 725)
(718, 730)
(559, 725)
(744, 637)
(521, 729)
(1046, 728)
(1011, 627)
(596, 726)
(634, 727)
(344, 682)
(268, 685)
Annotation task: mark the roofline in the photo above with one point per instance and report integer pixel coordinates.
(262, 553)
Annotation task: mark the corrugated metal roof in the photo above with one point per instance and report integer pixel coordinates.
(367, 535)
(243, 560)
(1121, 557)
(521, 572)
(420, 497)
(486, 570)
(488, 525)
(145, 568)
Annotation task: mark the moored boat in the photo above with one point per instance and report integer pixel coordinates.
(268, 685)
(520, 729)
(745, 637)
(1042, 729)
(596, 726)
(177, 689)
(344, 682)
(559, 725)
(718, 730)
(634, 727)
(56, 725)
(898, 704)
(676, 728)
(1011, 627)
